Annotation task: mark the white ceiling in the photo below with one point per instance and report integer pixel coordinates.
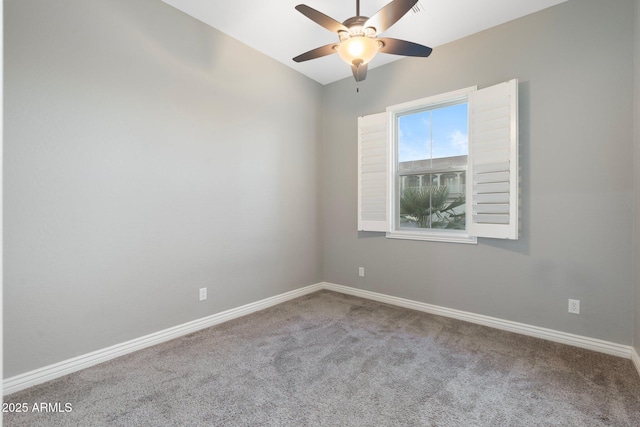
(276, 29)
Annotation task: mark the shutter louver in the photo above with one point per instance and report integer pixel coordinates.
(494, 162)
(373, 173)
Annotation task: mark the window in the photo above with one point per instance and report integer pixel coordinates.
(442, 168)
(430, 150)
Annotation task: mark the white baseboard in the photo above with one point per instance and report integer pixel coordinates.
(57, 370)
(520, 328)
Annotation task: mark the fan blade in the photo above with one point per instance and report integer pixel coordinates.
(389, 15)
(321, 19)
(402, 47)
(359, 73)
(318, 52)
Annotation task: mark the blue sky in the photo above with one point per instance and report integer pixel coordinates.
(442, 132)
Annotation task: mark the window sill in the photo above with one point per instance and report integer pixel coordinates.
(433, 236)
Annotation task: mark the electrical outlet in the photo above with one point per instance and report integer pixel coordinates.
(574, 306)
(361, 271)
(203, 294)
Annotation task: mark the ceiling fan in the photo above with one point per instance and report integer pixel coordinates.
(358, 36)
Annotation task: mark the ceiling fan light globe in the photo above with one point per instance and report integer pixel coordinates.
(358, 49)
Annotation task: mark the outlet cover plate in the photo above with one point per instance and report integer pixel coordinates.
(574, 306)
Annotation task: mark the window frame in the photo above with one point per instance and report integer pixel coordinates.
(439, 235)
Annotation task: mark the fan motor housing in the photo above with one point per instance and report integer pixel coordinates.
(355, 24)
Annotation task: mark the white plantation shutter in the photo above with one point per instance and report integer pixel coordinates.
(373, 173)
(493, 165)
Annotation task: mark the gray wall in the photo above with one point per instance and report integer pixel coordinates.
(575, 66)
(146, 155)
(636, 180)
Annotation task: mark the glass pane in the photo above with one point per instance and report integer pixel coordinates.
(450, 134)
(414, 136)
(433, 134)
(432, 160)
(433, 201)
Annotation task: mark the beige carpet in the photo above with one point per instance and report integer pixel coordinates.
(328, 359)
